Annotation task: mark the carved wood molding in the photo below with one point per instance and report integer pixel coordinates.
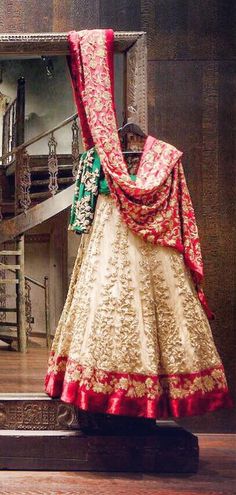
(136, 99)
(53, 43)
(36, 414)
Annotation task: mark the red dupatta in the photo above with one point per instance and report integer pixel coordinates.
(157, 207)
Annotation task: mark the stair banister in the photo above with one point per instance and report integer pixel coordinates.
(38, 137)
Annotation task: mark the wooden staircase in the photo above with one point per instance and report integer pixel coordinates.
(39, 189)
(18, 280)
(40, 193)
(33, 188)
(12, 228)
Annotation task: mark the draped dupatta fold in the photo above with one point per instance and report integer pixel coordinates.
(157, 206)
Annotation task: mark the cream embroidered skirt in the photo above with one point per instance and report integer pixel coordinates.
(133, 338)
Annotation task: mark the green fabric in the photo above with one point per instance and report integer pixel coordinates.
(86, 192)
(104, 188)
(87, 187)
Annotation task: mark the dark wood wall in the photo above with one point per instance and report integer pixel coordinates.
(191, 98)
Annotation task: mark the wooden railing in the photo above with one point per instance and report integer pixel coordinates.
(44, 286)
(28, 302)
(22, 163)
(19, 282)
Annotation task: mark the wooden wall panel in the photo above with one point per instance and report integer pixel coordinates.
(11, 16)
(226, 260)
(48, 15)
(74, 14)
(120, 15)
(25, 16)
(191, 106)
(38, 15)
(183, 29)
(175, 106)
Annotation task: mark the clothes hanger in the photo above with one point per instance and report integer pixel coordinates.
(130, 128)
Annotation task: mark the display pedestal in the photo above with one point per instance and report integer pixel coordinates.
(149, 448)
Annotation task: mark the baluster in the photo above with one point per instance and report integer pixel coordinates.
(3, 260)
(22, 180)
(47, 314)
(8, 134)
(11, 133)
(20, 295)
(75, 147)
(28, 308)
(1, 192)
(52, 165)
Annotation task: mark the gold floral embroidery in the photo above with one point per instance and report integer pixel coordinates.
(197, 328)
(82, 212)
(77, 305)
(151, 387)
(114, 340)
(172, 349)
(129, 318)
(150, 341)
(131, 307)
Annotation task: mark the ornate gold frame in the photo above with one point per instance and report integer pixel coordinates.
(37, 411)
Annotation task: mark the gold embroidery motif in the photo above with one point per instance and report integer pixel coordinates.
(77, 305)
(196, 327)
(131, 307)
(176, 387)
(169, 322)
(82, 212)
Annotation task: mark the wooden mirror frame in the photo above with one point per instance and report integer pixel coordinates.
(36, 411)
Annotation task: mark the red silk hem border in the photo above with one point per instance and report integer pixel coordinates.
(160, 407)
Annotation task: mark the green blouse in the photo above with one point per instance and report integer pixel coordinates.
(89, 183)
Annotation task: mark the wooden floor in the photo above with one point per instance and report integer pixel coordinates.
(23, 373)
(216, 476)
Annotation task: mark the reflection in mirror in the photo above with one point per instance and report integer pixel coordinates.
(36, 97)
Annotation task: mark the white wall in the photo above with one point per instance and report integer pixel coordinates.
(49, 101)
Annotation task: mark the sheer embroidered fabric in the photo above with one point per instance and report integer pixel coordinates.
(133, 328)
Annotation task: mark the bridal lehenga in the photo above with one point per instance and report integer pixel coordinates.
(133, 338)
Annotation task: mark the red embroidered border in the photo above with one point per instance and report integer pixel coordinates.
(117, 402)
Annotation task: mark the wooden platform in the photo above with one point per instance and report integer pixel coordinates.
(39, 433)
(216, 476)
(165, 448)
